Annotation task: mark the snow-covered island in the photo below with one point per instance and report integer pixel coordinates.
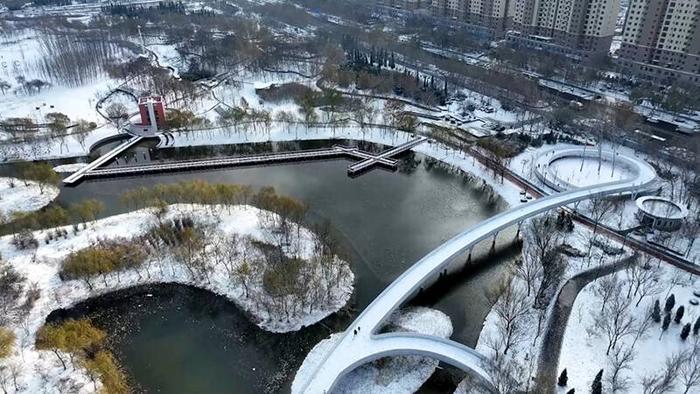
(403, 374)
(19, 195)
(225, 252)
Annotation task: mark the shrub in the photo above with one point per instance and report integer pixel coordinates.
(11, 289)
(105, 366)
(563, 378)
(283, 278)
(685, 331)
(679, 314)
(670, 303)
(42, 173)
(102, 259)
(85, 343)
(7, 342)
(289, 91)
(25, 240)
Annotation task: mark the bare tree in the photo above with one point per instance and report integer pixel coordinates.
(508, 373)
(663, 382)
(605, 288)
(620, 361)
(599, 208)
(642, 326)
(529, 270)
(614, 321)
(511, 308)
(543, 240)
(678, 278)
(690, 231)
(645, 279)
(690, 369)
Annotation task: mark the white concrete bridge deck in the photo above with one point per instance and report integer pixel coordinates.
(353, 350)
(78, 175)
(366, 164)
(265, 158)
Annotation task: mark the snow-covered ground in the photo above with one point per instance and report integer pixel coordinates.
(70, 168)
(404, 374)
(41, 371)
(20, 55)
(583, 351)
(45, 148)
(527, 338)
(586, 172)
(17, 195)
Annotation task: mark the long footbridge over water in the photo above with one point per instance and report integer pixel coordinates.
(366, 161)
(362, 341)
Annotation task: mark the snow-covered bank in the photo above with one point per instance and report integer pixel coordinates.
(386, 136)
(404, 374)
(69, 168)
(17, 195)
(40, 371)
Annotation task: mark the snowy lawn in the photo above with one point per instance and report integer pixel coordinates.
(529, 324)
(396, 375)
(586, 172)
(17, 195)
(584, 350)
(40, 371)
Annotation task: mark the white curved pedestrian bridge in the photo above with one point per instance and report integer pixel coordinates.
(352, 350)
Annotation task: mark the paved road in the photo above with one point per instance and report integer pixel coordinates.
(548, 363)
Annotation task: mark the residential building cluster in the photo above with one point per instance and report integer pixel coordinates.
(660, 40)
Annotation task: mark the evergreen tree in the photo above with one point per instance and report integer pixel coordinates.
(664, 326)
(563, 378)
(696, 326)
(656, 313)
(597, 386)
(685, 331)
(572, 391)
(670, 302)
(679, 314)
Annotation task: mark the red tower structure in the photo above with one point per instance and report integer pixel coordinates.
(152, 108)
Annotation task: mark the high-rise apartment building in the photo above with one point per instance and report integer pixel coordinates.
(486, 18)
(408, 5)
(403, 8)
(661, 40)
(577, 28)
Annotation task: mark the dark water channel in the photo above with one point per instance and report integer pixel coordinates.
(177, 339)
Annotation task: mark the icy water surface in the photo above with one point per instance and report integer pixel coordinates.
(175, 339)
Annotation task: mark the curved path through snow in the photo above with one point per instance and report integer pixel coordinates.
(367, 345)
